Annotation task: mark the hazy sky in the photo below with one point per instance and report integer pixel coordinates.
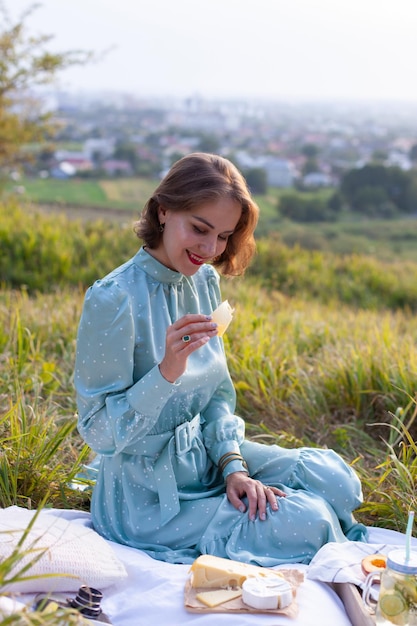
(321, 49)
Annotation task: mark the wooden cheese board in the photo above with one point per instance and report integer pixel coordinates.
(351, 597)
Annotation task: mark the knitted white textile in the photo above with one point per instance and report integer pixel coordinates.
(65, 554)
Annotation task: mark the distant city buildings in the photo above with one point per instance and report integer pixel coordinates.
(294, 143)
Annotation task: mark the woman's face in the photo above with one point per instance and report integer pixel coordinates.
(197, 236)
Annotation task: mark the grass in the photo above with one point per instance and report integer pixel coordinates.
(305, 373)
(132, 192)
(311, 367)
(40, 450)
(388, 240)
(44, 252)
(393, 494)
(308, 370)
(60, 617)
(117, 194)
(79, 191)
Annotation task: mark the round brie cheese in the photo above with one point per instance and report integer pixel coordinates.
(266, 593)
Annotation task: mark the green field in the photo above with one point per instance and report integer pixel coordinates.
(321, 350)
(388, 240)
(119, 194)
(116, 193)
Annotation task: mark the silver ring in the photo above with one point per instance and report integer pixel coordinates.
(186, 338)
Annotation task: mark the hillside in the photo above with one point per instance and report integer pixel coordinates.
(121, 200)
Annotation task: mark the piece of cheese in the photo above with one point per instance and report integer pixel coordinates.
(266, 593)
(222, 316)
(216, 572)
(218, 596)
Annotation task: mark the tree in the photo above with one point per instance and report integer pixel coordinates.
(396, 187)
(310, 151)
(300, 209)
(127, 152)
(257, 180)
(335, 202)
(208, 143)
(374, 202)
(413, 153)
(26, 63)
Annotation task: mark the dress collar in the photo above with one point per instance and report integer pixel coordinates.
(155, 269)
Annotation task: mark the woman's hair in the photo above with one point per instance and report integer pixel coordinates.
(194, 180)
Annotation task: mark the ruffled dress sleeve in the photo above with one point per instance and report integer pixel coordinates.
(114, 410)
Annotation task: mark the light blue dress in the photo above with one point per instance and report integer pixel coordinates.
(158, 487)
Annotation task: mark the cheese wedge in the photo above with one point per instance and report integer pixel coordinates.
(214, 572)
(218, 596)
(222, 316)
(266, 593)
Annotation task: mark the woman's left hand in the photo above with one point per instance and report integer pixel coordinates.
(240, 484)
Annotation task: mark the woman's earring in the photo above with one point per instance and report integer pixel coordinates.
(161, 228)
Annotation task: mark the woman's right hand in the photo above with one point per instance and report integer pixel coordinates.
(199, 328)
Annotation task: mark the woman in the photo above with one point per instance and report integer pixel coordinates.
(176, 476)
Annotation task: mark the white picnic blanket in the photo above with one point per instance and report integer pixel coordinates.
(153, 592)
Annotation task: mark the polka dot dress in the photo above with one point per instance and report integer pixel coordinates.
(158, 487)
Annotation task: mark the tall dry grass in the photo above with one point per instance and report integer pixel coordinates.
(310, 367)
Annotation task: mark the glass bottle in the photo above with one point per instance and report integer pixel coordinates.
(397, 600)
